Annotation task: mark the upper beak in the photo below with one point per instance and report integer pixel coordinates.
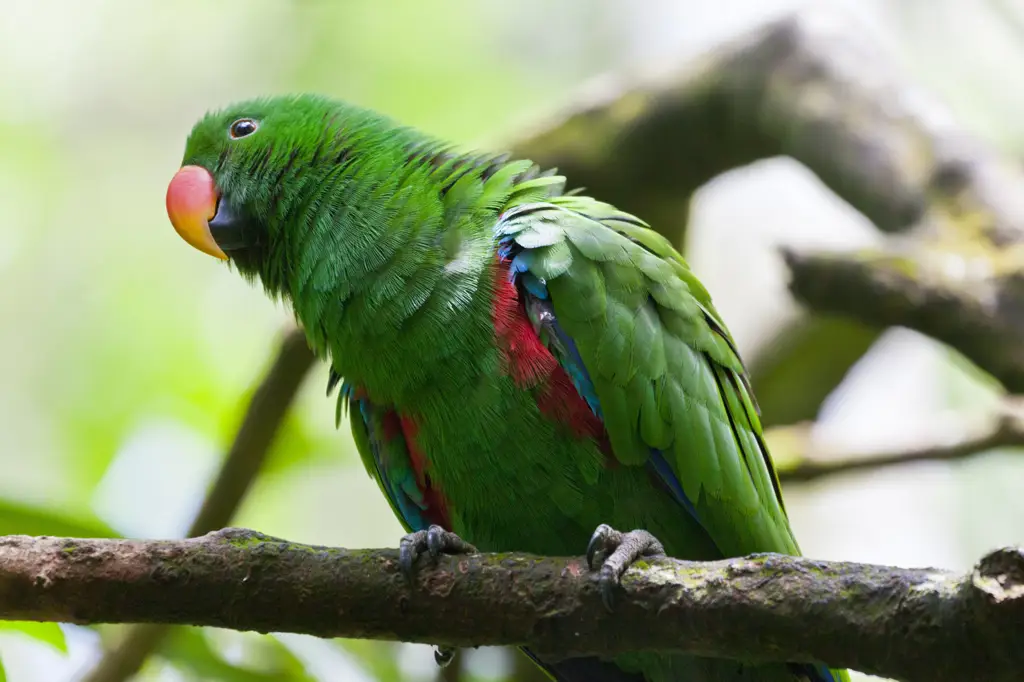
(192, 200)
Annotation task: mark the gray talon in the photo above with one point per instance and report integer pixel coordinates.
(621, 551)
(604, 536)
(408, 550)
(435, 541)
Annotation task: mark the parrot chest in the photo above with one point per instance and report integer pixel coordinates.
(515, 476)
(510, 477)
(505, 451)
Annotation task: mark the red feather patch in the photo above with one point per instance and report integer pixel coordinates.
(390, 425)
(526, 359)
(436, 511)
(559, 400)
(532, 366)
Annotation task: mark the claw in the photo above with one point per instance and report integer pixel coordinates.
(408, 549)
(621, 551)
(604, 537)
(435, 541)
(444, 655)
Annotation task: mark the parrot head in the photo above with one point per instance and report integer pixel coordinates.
(213, 199)
(248, 167)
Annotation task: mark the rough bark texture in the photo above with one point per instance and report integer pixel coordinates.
(909, 624)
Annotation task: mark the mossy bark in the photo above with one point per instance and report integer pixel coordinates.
(910, 624)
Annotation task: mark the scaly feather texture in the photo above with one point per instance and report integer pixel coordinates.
(519, 364)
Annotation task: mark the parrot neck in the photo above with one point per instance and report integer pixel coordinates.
(391, 276)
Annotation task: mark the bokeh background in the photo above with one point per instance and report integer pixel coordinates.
(126, 357)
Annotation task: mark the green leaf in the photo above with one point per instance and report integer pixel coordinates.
(3, 673)
(17, 518)
(51, 633)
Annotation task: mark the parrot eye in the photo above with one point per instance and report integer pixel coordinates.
(243, 127)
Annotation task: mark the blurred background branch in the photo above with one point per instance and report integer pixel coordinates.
(950, 626)
(802, 86)
(970, 298)
(799, 458)
(242, 464)
(807, 87)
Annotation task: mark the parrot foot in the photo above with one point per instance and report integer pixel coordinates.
(620, 551)
(435, 541)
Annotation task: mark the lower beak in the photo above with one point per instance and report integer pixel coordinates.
(228, 227)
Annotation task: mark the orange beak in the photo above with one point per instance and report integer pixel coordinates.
(192, 200)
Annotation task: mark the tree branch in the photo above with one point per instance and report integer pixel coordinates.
(803, 86)
(800, 364)
(244, 459)
(263, 418)
(808, 87)
(979, 313)
(910, 624)
(1006, 429)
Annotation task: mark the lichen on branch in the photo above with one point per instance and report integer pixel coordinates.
(911, 624)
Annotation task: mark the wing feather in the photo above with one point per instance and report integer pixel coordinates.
(639, 336)
(668, 380)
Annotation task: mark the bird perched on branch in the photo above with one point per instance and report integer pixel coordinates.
(521, 365)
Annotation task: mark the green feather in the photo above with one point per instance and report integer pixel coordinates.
(386, 242)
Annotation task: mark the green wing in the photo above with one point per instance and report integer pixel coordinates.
(657, 363)
(665, 370)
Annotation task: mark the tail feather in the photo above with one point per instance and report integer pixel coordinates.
(592, 669)
(820, 673)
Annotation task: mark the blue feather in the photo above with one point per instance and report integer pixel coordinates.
(573, 364)
(409, 507)
(823, 671)
(661, 467)
(506, 246)
(541, 312)
(534, 285)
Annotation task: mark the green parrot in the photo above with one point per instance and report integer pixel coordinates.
(520, 364)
